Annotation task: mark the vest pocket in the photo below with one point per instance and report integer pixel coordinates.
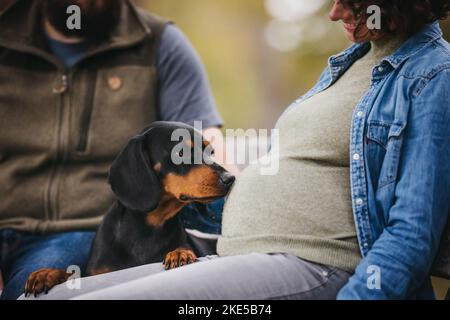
(111, 105)
(383, 148)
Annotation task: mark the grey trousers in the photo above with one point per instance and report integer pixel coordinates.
(254, 276)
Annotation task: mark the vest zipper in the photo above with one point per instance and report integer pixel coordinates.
(51, 192)
(64, 85)
(87, 111)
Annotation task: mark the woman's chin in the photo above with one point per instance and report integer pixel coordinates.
(363, 36)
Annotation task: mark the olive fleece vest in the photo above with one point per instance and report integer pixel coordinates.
(61, 129)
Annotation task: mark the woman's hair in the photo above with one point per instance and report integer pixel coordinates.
(401, 16)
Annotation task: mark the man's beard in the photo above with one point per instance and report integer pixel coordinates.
(98, 17)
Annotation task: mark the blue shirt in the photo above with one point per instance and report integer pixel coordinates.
(400, 168)
(68, 53)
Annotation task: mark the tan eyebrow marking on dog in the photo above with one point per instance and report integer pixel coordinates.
(201, 181)
(190, 143)
(205, 143)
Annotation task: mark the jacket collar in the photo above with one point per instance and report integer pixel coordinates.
(414, 44)
(417, 42)
(21, 30)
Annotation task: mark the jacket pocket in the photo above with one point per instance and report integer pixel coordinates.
(383, 150)
(112, 109)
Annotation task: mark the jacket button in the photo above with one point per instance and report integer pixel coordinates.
(115, 83)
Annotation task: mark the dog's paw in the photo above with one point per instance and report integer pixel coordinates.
(43, 280)
(179, 258)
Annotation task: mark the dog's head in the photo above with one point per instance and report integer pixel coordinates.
(167, 158)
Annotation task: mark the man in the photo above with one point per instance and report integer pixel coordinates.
(69, 100)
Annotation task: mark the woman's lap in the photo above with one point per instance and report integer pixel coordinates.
(102, 281)
(253, 276)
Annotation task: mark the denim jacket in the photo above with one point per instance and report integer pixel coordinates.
(400, 165)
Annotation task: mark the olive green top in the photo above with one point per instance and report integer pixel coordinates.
(306, 208)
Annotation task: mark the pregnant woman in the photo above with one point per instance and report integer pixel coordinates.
(361, 199)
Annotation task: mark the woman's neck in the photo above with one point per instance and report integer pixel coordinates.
(386, 46)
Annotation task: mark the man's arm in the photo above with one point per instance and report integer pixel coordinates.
(407, 247)
(184, 93)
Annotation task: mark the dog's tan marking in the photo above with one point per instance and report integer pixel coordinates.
(168, 208)
(179, 258)
(205, 143)
(190, 143)
(200, 182)
(43, 280)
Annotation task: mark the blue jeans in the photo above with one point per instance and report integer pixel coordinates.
(22, 253)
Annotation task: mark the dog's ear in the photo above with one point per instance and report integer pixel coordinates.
(132, 178)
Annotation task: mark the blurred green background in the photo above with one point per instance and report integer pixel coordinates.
(260, 54)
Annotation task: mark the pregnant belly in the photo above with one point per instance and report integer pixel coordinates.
(302, 199)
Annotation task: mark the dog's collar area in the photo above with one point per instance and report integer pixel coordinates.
(187, 198)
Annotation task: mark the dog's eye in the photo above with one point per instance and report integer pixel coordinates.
(213, 152)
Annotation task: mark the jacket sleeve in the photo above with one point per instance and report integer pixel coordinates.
(408, 245)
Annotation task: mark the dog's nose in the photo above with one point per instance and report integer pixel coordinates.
(227, 178)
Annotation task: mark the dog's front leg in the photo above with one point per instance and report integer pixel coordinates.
(179, 258)
(45, 279)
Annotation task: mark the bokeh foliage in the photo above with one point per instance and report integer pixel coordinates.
(252, 82)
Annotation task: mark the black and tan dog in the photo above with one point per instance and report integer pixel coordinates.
(142, 226)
